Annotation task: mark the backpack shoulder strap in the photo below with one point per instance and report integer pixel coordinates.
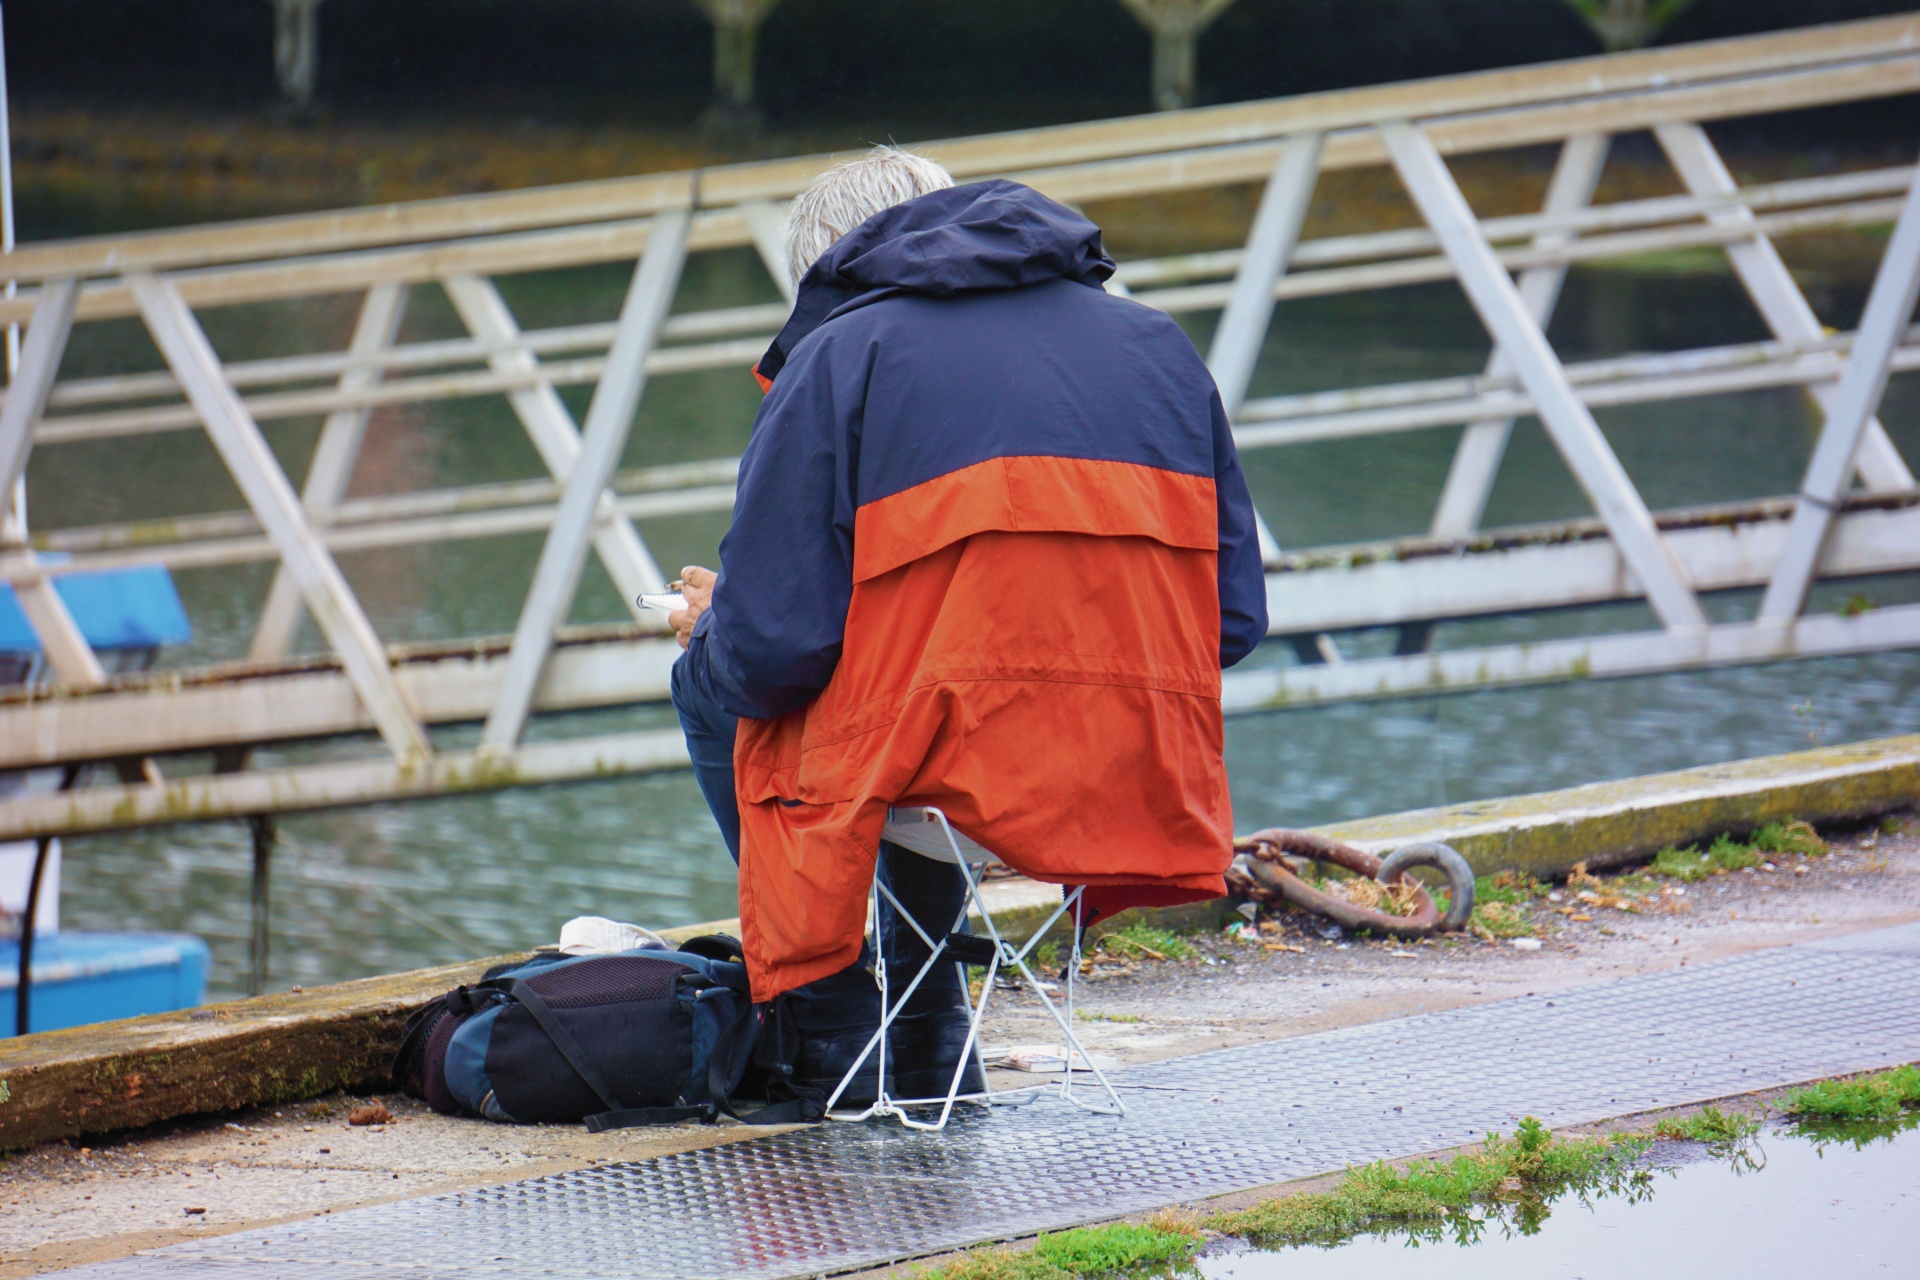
(563, 1040)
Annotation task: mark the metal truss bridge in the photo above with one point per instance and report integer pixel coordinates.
(1856, 512)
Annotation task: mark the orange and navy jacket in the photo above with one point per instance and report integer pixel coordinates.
(991, 549)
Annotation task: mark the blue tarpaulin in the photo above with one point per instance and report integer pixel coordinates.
(114, 609)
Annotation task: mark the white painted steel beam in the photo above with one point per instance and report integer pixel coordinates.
(65, 428)
(1339, 589)
(550, 426)
(1555, 567)
(1270, 245)
(333, 458)
(1410, 406)
(609, 421)
(325, 786)
(281, 370)
(1270, 242)
(1896, 287)
(66, 649)
(1637, 653)
(310, 787)
(1568, 422)
(1476, 459)
(767, 224)
(1772, 287)
(257, 472)
(260, 705)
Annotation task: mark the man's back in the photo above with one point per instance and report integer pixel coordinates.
(991, 550)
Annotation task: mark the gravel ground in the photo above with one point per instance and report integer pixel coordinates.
(64, 1204)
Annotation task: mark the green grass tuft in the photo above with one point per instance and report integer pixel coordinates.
(1728, 854)
(1499, 920)
(1687, 864)
(1119, 1246)
(1511, 887)
(1875, 1097)
(1789, 838)
(1143, 940)
(1709, 1125)
(1512, 1179)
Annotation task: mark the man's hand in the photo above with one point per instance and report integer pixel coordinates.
(696, 584)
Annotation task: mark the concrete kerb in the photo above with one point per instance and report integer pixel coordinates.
(281, 1048)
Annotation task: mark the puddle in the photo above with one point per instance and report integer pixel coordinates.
(1839, 1206)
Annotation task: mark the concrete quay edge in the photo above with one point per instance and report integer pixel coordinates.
(284, 1047)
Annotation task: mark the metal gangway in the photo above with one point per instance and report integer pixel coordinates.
(1857, 511)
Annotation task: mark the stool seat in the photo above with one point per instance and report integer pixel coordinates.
(919, 829)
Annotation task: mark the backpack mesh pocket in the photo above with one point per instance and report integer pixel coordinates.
(606, 980)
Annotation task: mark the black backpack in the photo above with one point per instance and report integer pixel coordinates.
(641, 1037)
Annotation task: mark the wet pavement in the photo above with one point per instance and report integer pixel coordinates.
(63, 1205)
(837, 1197)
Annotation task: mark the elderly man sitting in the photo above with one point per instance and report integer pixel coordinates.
(991, 550)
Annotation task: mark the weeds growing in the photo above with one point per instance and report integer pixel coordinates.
(1142, 939)
(1876, 1097)
(1084, 1251)
(1710, 1125)
(1499, 920)
(1775, 839)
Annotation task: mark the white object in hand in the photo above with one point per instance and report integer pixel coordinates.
(670, 601)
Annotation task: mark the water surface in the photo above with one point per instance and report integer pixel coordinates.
(1810, 1209)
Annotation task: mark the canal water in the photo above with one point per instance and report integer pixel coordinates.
(379, 889)
(1800, 1209)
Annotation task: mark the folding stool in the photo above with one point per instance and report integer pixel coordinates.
(926, 832)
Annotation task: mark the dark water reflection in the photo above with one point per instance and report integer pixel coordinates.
(1789, 1207)
(383, 888)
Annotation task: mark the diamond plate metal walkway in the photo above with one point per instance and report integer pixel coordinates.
(836, 1197)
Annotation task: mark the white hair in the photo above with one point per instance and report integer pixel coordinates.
(847, 195)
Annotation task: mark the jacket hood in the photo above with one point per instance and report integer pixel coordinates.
(976, 238)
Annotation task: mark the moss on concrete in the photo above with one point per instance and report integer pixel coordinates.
(1607, 824)
(270, 1049)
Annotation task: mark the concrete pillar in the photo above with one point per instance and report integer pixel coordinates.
(736, 42)
(296, 49)
(1628, 24)
(1176, 26)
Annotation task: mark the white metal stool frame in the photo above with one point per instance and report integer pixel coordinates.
(910, 829)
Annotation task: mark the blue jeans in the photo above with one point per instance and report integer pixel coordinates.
(932, 891)
(710, 731)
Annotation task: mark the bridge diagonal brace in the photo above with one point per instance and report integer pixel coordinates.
(609, 422)
(265, 486)
(333, 458)
(1476, 459)
(67, 650)
(1567, 420)
(767, 224)
(1890, 304)
(1270, 245)
(1773, 289)
(551, 428)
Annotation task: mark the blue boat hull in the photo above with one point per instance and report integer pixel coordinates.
(97, 977)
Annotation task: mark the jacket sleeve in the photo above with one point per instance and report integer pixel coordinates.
(1243, 579)
(772, 639)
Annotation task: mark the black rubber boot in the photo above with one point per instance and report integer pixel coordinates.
(930, 1035)
(832, 1019)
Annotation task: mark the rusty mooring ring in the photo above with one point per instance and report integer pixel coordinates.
(1263, 871)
